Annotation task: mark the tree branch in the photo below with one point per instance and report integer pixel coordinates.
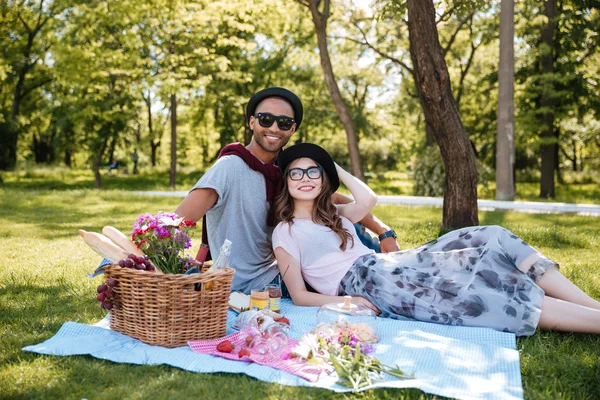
(37, 25)
(302, 2)
(375, 49)
(26, 91)
(463, 73)
(326, 8)
(24, 23)
(446, 14)
(453, 37)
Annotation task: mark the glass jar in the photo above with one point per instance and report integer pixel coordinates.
(259, 299)
(356, 317)
(274, 291)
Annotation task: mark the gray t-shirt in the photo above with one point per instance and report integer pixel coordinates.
(240, 215)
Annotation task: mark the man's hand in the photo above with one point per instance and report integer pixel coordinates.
(389, 245)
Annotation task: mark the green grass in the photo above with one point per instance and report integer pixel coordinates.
(43, 263)
(390, 183)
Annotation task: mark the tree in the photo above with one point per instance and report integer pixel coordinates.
(320, 15)
(439, 106)
(29, 41)
(549, 140)
(99, 75)
(505, 150)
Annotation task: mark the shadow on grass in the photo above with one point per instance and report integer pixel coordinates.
(47, 218)
(153, 180)
(55, 215)
(565, 363)
(32, 313)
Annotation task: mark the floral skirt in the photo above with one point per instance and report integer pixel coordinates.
(481, 276)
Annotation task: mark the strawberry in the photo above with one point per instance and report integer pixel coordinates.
(283, 320)
(244, 352)
(249, 339)
(225, 346)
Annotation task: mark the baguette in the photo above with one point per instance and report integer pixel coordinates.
(103, 246)
(121, 240)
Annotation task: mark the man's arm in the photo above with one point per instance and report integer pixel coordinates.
(372, 223)
(197, 203)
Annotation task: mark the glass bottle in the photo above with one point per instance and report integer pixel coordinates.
(223, 258)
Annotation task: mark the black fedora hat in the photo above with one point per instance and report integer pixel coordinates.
(314, 152)
(276, 92)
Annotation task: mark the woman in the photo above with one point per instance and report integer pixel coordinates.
(478, 276)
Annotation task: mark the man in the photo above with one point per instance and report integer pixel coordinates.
(237, 193)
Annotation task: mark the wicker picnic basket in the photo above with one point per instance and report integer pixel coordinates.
(169, 309)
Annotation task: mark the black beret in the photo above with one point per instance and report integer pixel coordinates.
(276, 92)
(312, 151)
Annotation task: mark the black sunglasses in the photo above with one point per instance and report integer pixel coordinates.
(296, 174)
(266, 120)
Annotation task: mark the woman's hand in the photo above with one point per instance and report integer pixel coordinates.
(365, 302)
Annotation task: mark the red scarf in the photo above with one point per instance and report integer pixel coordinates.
(273, 181)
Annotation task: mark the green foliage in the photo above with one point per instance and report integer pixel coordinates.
(429, 174)
(101, 76)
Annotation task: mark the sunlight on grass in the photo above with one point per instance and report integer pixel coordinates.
(43, 283)
(389, 183)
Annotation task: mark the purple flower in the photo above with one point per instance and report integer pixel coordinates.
(367, 349)
(163, 240)
(162, 233)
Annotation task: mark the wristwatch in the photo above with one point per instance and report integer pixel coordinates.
(388, 234)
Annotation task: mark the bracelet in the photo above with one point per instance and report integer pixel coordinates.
(388, 234)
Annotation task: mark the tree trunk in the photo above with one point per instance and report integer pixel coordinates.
(111, 149)
(320, 21)
(247, 131)
(97, 163)
(439, 108)
(8, 145)
(505, 149)
(153, 149)
(11, 134)
(575, 156)
(173, 171)
(42, 147)
(68, 159)
(148, 102)
(548, 150)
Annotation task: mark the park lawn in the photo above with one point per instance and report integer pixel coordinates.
(389, 183)
(43, 263)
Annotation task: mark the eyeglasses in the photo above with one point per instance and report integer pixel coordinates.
(296, 174)
(266, 120)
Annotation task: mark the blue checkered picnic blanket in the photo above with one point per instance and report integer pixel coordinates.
(460, 362)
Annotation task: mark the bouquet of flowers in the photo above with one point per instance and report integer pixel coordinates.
(352, 359)
(163, 238)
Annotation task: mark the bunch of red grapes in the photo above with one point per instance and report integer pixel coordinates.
(105, 291)
(106, 294)
(141, 263)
